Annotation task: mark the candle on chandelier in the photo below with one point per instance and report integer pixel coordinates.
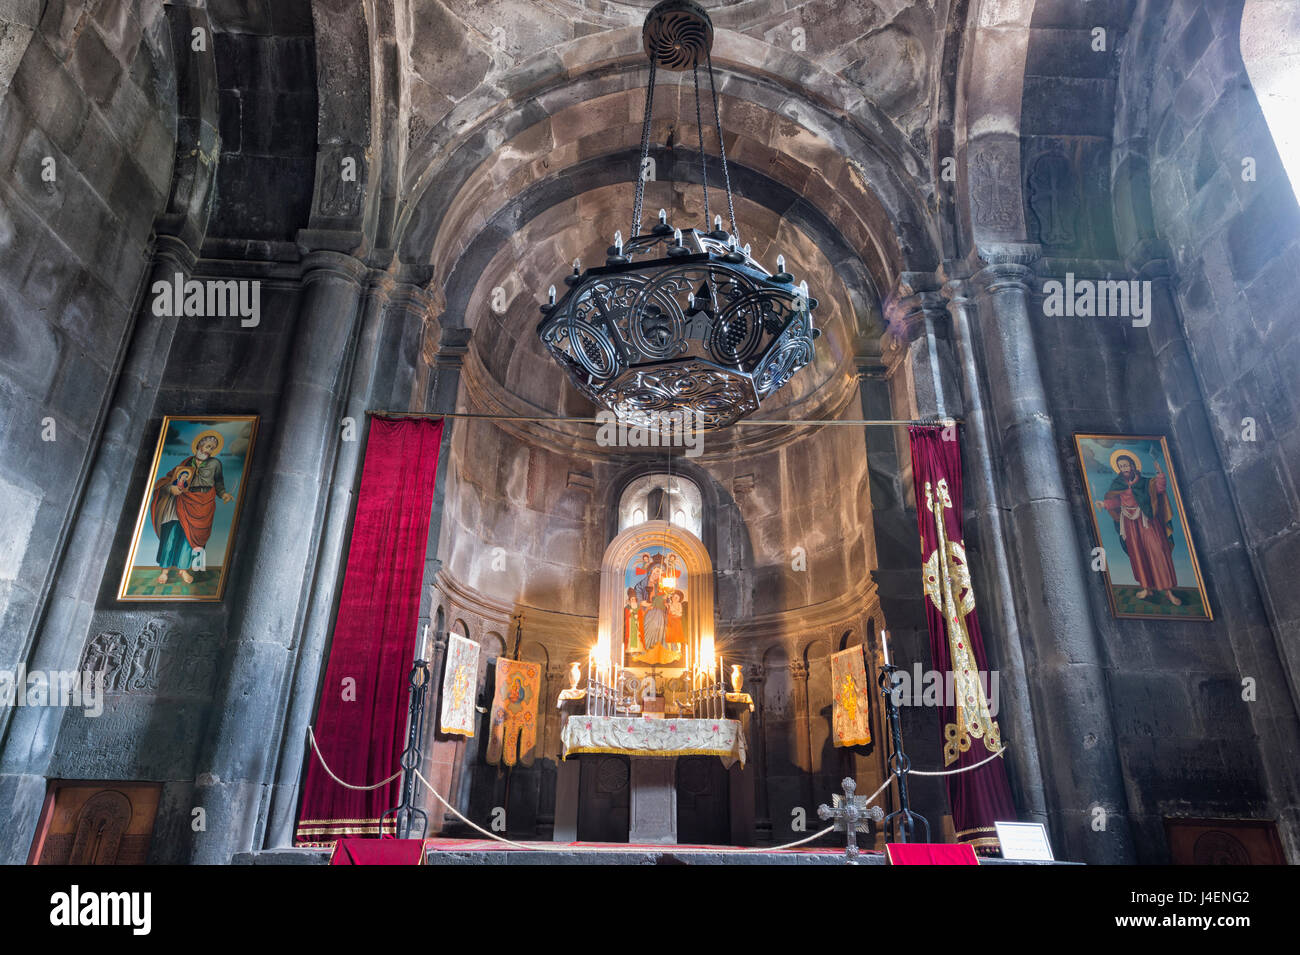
(884, 642)
(663, 217)
(618, 242)
(550, 295)
(780, 263)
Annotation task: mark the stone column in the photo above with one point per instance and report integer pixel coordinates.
(802, 737)
(238, 762)
(917, 328)
(758, 750)
(31, 733)
(1065, 662)
(370, 372)
(452, 348)
(1002, 628)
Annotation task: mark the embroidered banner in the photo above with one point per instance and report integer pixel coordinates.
(635, 736)
(514, 712)
(970, 733)
(459, 681)
(850, 719)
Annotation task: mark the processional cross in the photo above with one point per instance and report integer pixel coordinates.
(850, 813)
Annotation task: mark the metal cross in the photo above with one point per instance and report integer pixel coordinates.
(850, 813)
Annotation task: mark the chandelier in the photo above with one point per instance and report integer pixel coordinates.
(680, 321)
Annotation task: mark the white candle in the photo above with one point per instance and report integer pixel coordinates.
(884, 642)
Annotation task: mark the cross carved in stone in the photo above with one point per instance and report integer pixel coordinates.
(850, 813)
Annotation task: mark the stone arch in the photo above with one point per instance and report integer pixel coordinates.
(824, 112)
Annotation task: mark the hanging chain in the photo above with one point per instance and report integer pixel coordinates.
(722, 150)
(645, 150)
(699, 125)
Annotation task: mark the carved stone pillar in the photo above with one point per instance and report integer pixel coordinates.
(237, 765)
(1065, 665)
(1003, 636)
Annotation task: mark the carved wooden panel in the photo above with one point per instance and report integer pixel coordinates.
(96, 823)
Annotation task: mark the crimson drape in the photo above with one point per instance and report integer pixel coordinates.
(361, 721)
(970, 732)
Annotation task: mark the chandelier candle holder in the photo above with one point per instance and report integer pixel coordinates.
(680, 322)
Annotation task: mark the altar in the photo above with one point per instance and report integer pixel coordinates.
(654, 688)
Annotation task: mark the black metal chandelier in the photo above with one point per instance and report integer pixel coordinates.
(680, 320)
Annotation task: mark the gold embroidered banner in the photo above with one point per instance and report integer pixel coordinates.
(514, 713)
(636, 736)
(850, 719)
(459, 682)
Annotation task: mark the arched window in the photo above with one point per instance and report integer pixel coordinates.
(1270, 48)
(662, 497)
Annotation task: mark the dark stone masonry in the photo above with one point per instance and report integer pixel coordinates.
(405, 178)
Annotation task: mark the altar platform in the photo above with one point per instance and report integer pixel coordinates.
(490, 852)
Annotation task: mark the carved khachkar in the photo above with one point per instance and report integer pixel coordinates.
(157, 659)
(993, 188)
(1052, 198)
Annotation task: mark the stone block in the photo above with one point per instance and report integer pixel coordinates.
(96, 66)
(50, 95)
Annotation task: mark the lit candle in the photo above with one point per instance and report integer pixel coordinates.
(550, 295)
(618, 242)
(780, 263)
(884, 642)
(717, 223)
(663, 216)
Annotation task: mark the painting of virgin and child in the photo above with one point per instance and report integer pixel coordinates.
(654, 608)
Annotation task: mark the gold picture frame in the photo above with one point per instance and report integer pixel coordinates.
(1140, 524)
(190, 509)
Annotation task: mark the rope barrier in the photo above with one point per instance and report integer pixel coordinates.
(311, 735)
(962, 769)
(548, 847)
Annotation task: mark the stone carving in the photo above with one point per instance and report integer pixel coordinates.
(155, 660)
(100, 826)
(993, 189)
(340, 187)
(1052, 198)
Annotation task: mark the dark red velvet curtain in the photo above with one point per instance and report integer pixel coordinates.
(970, 731)
(361, 722)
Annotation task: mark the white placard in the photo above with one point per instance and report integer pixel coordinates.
(1024, 840)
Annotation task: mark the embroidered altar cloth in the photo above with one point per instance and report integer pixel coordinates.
(634, 736)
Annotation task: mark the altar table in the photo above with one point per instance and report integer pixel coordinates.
(669, 737)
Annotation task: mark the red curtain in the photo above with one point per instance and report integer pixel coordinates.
(970, 731)
(361, 721)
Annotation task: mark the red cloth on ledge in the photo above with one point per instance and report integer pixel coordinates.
(361, 737)
(930, 853)
(378, 852)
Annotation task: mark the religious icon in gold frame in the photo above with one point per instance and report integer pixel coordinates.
(1147, 558)
(184, 534)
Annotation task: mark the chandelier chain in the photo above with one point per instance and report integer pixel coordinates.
(699, 125)
(722, 150)
(645, 151)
